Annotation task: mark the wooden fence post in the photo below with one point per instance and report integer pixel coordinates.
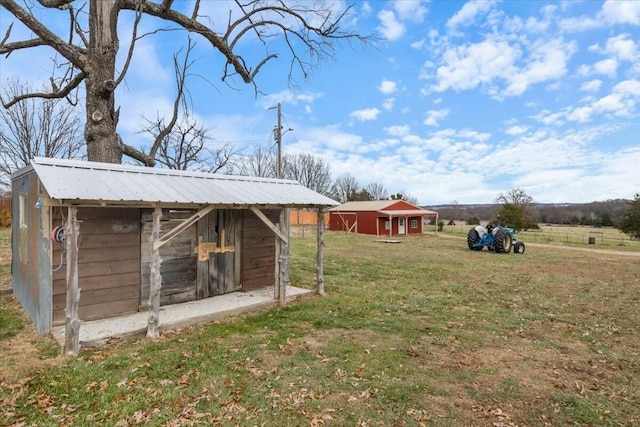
(72, 320)
(155, 284)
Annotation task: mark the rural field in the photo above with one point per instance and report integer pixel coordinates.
(419, 333)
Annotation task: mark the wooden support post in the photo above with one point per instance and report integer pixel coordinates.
(72, 320)
(283, 258)
(155, 285)
(320, 272)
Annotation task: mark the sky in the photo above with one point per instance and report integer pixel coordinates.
(451, 102)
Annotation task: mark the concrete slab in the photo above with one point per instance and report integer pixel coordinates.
(98, 332)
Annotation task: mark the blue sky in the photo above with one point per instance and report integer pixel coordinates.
(457, 101)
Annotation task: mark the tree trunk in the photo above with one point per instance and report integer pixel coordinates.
(103, 143)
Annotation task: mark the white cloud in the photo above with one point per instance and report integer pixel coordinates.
(388, 104)
(365, 115)
(516, 130)
(621, 12)
(388, 87)
(410, 10)
(591, 86)
(390, 28)
(622, 48)
(607, 67)
(548, 61)
(434, 116)
(399, 130)
(418, 44)
(628, 87)
(494, 61)
(467, 66)
(288, 97)
(467, 14)
(613, 12)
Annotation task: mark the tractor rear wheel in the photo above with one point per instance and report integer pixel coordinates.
(472, 238)
(502, 241)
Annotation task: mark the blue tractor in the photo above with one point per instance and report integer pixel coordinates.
(495, 237)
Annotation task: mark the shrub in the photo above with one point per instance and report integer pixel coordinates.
(473, 221)
(5, 218)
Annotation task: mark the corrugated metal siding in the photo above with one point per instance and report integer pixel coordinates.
(79, 180)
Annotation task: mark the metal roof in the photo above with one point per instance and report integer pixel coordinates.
(106, 182)
(409, 212)
(381, 206)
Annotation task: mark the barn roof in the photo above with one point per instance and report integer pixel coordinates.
(74, 180)
(381, 206)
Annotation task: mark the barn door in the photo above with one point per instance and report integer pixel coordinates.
(218, 252)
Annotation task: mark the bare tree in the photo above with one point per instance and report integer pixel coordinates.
(310, 171)
(36, 127)
(85, 53)
(190, 146)
(377, 191)
(345, 188)
(260, 162)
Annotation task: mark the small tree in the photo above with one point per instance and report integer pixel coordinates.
(630, 224)
(515, 209)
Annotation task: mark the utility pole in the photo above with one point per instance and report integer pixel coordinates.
(277, 135)
(279, 142)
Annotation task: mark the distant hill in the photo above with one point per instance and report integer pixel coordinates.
(605, 213)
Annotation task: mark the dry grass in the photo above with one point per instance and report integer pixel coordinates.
(424, 332)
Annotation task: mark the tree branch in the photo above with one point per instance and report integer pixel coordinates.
(56, 93)
(70, 52)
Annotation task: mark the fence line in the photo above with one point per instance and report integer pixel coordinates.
(299, 217)
(5, 204)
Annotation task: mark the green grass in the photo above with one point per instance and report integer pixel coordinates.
(10, 321)
(424, 332)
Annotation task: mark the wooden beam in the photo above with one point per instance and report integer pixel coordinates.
(72, 321)
(268, 223)
(283, 259)
(155, 279)
(320, 267)
(181, 227)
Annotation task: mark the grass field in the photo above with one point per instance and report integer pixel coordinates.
(424, 332)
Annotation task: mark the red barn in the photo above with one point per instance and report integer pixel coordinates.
(380, 217)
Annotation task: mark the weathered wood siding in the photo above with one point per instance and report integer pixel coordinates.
(178, 268)
(108, 263)
(219, 275)
(258, 250)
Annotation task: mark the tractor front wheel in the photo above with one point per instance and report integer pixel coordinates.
(472, 238)
(502, 241)
(518, 247)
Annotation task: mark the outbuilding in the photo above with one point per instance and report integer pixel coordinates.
(380, 218)
(94, 240)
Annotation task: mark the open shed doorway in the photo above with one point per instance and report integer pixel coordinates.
(203, 261)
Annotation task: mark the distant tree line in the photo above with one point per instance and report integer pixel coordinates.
(519, 211)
